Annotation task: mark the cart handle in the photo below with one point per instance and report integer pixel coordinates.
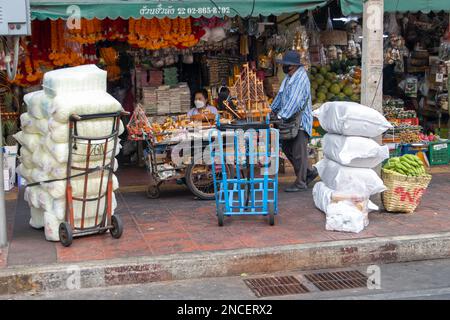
(76, 117)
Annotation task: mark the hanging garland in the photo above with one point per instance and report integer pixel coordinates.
(155, 34)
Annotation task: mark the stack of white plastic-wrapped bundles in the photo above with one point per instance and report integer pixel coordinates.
(45, 145)
(350, 154)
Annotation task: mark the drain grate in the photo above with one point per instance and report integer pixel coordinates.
(340, 280)
(275, 286)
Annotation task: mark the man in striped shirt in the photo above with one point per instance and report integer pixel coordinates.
(294, 100)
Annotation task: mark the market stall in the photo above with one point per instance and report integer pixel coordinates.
(415, 81)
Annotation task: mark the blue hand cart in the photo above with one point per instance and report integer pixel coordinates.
(252, 150)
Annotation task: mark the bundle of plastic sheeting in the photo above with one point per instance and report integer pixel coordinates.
(77, 79)
(45, 141)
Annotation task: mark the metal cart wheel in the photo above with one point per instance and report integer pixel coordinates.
(117, 227)
(153, 192)
(220, 214)
(65, 234)
(200, 181)
(271, 208)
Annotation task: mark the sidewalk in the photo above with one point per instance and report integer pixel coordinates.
(177, 224)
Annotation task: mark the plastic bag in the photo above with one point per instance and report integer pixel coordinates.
(29, 124)
(324, 196)
(37, 218)
(351, 119)
(38, 104)
(343, 216)
(338, 177)
(28, 140)
(354, 151)
(346, 211)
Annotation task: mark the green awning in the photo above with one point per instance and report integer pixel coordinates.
(113, 9)
(356, 6)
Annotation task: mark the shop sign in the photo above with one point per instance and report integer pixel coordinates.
(177, 10)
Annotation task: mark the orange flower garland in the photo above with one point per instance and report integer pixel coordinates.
(155, 34)
(61, 55)
(109, 55)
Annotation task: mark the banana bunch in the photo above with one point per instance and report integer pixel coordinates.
(408, 165)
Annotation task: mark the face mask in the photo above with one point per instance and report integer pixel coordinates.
(199, 104)
(286, 68)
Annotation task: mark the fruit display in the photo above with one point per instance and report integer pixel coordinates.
(410, 137)
(407, 165)
(328, 85)
(395, 109)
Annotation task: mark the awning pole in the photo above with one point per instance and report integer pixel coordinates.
(372, 61)
(3, 235)
(372, 55)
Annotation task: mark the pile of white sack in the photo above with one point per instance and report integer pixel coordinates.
(44, 141)
(350, 154)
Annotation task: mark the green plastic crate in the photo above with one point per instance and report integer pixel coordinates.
(439, 153)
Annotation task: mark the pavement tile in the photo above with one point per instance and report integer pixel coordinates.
(177, 223)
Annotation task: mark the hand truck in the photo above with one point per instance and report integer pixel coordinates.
(88, 148)
(253, 146)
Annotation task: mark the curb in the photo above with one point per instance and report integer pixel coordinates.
(323, 255)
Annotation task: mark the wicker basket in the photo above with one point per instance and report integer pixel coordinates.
(403, 193)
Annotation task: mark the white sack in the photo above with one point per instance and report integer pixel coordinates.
(26, 158)
(76, 79)
(27, 140)
(44, 160)
(29, 124)
(44, 198)
(59, 208)
(322, 196)
(92, 128)
(38, 104)
(354, 151)
(37, 218)
(339, 177)
(51, 227)
(60, 171)
(345, 217)
(60, 151)
(351, 119)
(38, 175)
(31, 196)
(89, 102)
(24, 172)
(58, 189)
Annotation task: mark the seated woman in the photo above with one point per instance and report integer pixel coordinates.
(201, 104)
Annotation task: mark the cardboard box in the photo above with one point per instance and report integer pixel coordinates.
(8, 179)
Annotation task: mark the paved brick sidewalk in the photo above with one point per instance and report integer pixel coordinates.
(177, 223)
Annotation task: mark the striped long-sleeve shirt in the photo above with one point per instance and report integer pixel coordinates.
(294, 92)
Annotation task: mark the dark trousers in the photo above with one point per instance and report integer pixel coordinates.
(296, 150)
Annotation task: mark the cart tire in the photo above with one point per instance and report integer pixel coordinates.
(153, 192)
(117, 227)
(271, 208)
(220, 215)
(189, 175)
(65, 234)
